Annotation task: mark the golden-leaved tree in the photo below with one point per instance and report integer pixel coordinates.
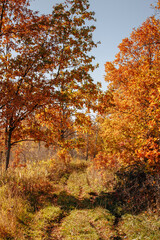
(131, 126)
(44, 63)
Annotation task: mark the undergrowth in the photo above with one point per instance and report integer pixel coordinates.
(53, 200)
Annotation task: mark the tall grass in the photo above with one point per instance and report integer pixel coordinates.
(54, 200)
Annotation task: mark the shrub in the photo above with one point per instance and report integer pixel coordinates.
(139, 189)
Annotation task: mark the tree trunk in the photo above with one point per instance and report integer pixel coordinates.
(95, 149)
(87, 146)
(8, 151)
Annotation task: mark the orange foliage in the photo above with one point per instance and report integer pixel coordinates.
(131, 128)
(44, 61)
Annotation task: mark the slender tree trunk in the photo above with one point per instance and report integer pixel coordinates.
(8, 151)
(39, 146)
(1, 159)
(95, 150)
(1, 155)
(87, 146)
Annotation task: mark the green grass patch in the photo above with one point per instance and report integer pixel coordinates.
(43, 222)
(87, 224)
(143, 226)
(80, 184)
(81, 188)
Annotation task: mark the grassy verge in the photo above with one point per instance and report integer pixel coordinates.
(53, 201)
(87, 224)
(143, 226)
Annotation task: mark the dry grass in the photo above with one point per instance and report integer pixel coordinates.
(55, 200)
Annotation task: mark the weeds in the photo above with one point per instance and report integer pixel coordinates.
(144, 226)
(43, 222)
(87, 224)
(52, 200)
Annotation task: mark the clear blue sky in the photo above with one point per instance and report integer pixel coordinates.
(115, 21)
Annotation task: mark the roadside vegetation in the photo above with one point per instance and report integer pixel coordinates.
(77, 162)
(52, 200)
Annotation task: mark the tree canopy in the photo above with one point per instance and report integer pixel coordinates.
(44, 62)
(131, 126)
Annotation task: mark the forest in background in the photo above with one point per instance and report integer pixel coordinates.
(68, 149)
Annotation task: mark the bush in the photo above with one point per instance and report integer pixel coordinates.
(138, 188)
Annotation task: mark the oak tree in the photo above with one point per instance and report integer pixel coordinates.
(131, 127)
(44, 61)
